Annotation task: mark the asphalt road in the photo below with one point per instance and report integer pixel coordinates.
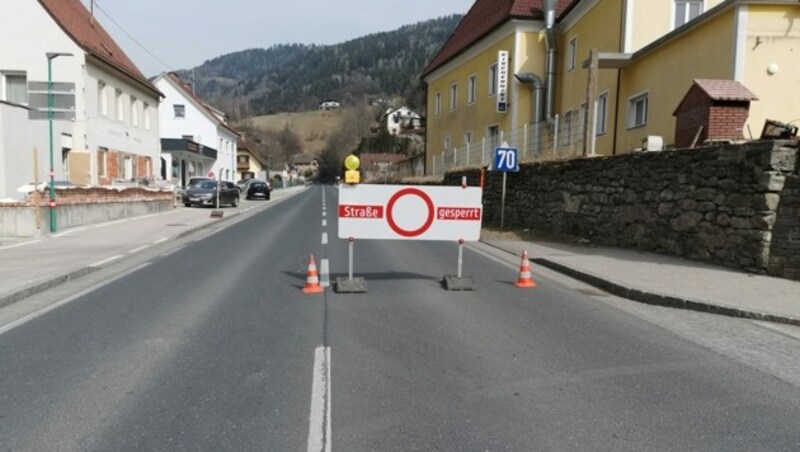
(213, 346)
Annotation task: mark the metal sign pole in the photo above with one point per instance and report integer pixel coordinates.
(503, 203)
(350, 259)
(460, 257)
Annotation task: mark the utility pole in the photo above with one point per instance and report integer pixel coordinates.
(591, 95)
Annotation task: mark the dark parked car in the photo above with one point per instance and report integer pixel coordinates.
(204, 193)
(257, 189)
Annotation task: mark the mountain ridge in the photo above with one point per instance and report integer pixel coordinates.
(296, 77)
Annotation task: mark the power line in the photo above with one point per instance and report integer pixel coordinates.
(141, 46)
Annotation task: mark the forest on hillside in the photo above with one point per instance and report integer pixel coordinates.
(297, 77)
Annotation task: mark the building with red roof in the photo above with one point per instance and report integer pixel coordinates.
(560, 79)
(106, 120)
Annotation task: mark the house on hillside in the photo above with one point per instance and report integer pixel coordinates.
(305, 165)
(106, 116)
(328, 105)
(195, 137)
(525, 75)
(402, 120)
(248, 164)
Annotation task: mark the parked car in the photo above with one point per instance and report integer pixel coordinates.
(195, 180)
(256, 188)
(242, 185)
(204, 193)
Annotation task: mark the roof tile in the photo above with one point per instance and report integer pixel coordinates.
(482, 18)
(76, 21)
(730, 90)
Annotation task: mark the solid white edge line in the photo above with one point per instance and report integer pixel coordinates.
(105, 261)
(319, 429)
(161, 240)
(136, 250)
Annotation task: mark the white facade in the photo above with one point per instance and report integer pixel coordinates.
(403, 117)
(35, 33)
(183, 116)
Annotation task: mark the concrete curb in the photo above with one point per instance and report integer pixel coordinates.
(21, 294)
(13, 297)
(656, 299)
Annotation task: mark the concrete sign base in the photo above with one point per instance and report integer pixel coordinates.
(346, 285)
(453, 282)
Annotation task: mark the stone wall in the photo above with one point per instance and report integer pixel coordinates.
(79, 206)
(735, 205)
(784, 255)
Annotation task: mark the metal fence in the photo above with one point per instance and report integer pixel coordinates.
(559, 140)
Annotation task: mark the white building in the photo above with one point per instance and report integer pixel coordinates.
(195, 137)
(402, 120)
(111, 130)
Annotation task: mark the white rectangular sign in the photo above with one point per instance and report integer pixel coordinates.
(407, 212)
(502, 81)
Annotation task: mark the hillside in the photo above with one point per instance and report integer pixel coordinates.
(313, 127)
(296, 77)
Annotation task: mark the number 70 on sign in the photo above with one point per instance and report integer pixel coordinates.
(505, 159)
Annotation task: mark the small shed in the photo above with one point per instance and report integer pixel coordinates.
(712, 110)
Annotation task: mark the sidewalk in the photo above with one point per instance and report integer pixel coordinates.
(32, 265)
(667, 280)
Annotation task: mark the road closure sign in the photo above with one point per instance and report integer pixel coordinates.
(407, 212)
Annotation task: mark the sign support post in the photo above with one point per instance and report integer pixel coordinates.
(350, 284)
(350, 259)
(503, 202)
(459, 281)
(505, 160)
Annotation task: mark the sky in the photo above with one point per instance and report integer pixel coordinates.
(184, 33)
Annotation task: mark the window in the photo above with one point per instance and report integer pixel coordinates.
(128, 167)
(102, 99)
(102, 162)
(180, 110)
(492, 79)
(572, 53)
(447, 143)
(494, 136)
(686, 10)
(15, 88)
(453, 96)
(472, 84)
(437, 104)
(134, 112)
(188, 137)
(637, 110)
(468, 137)
(601, 114)
(146, 116)
(120, 102)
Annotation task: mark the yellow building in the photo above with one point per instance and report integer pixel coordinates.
(647, 55)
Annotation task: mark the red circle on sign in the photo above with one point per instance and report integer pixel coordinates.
(390, 215)
(211, 174)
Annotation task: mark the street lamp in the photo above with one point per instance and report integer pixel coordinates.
(50, 57)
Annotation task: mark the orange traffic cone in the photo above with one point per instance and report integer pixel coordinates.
(312, 278)
(525, 277)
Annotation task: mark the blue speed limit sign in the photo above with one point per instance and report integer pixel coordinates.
(505, 159)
